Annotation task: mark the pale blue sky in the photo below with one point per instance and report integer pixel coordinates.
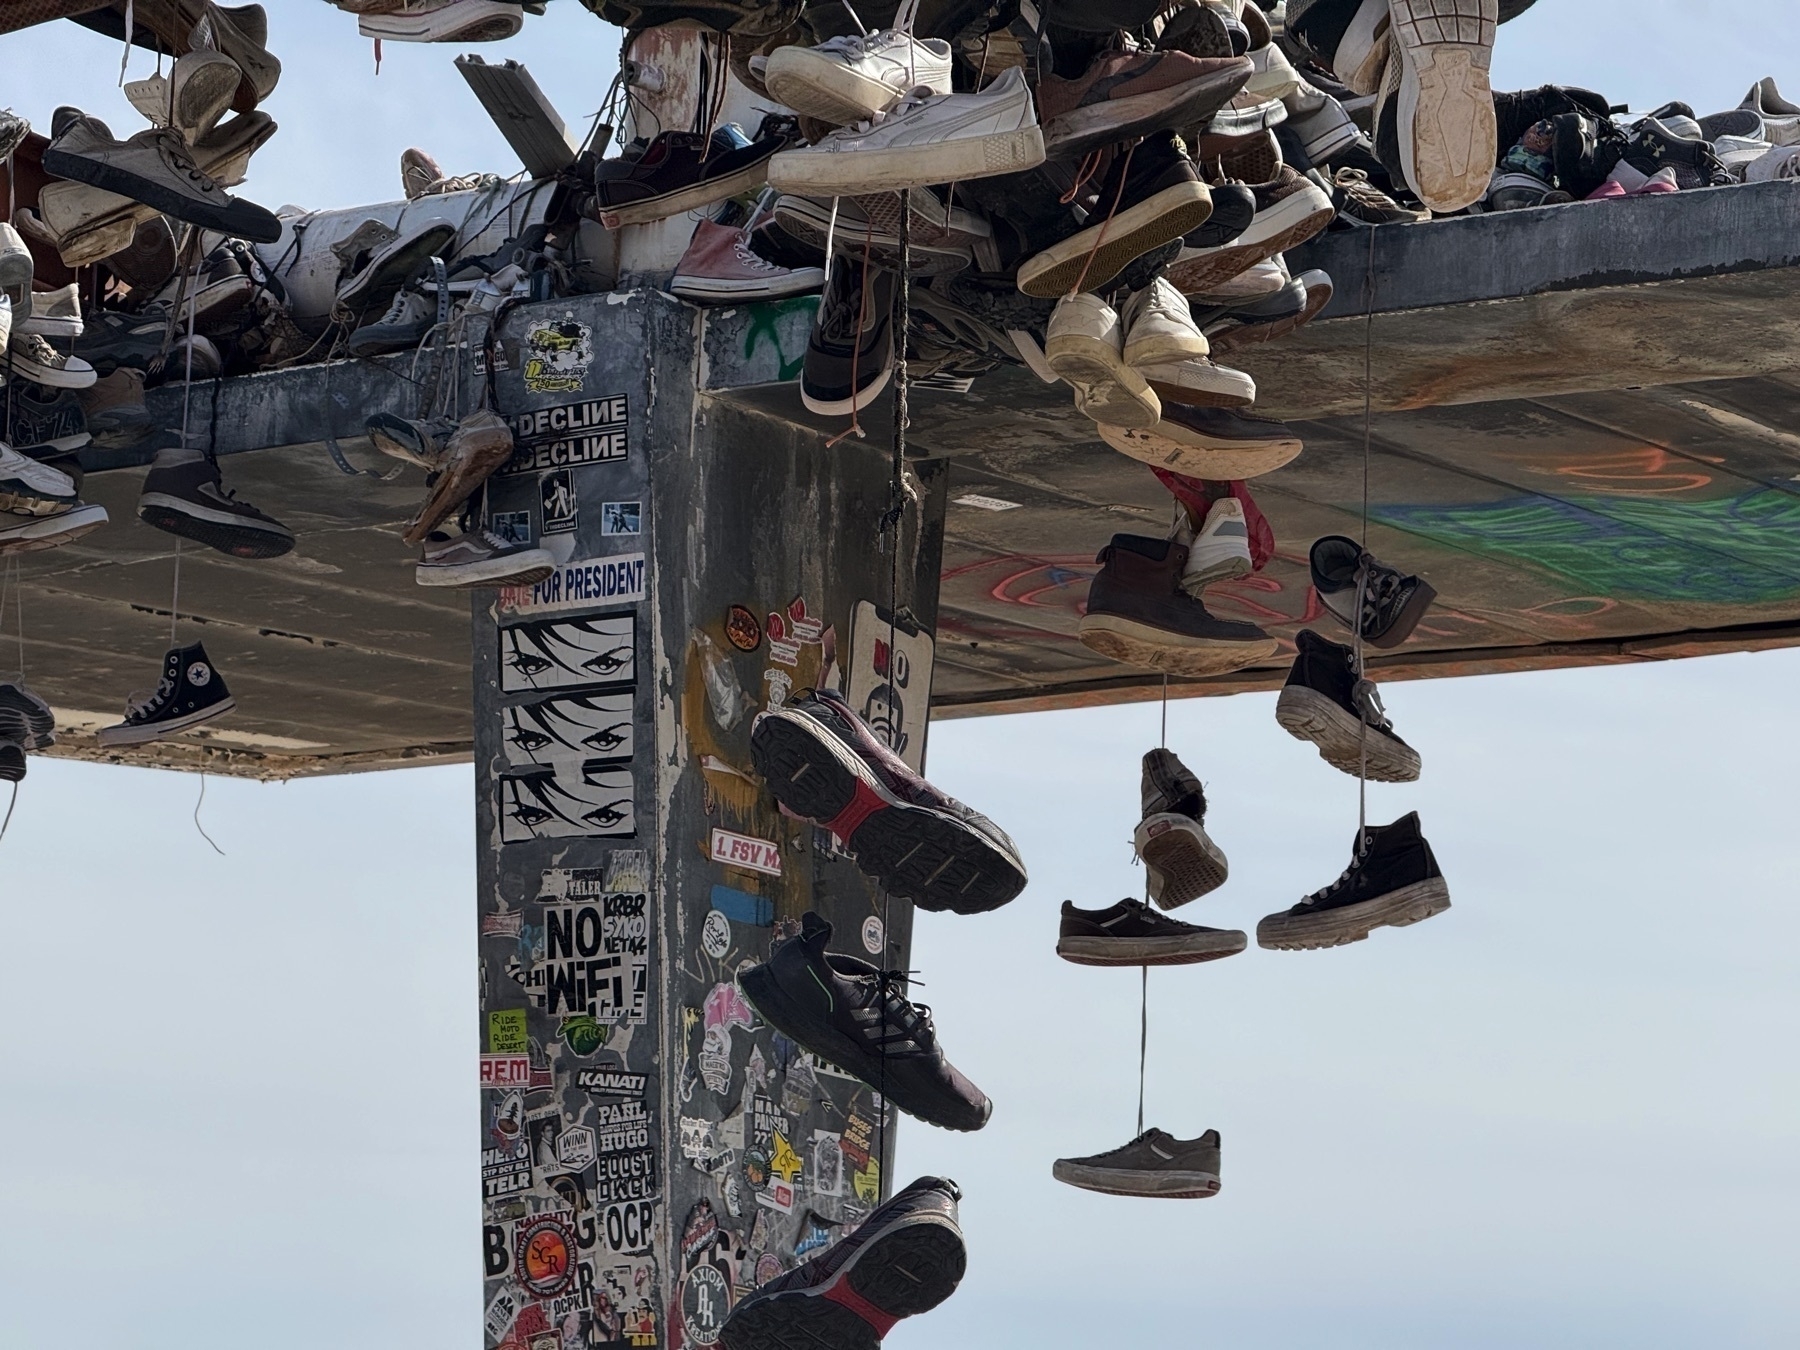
(238, 1099)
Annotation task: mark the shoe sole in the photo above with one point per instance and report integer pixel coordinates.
(901, 1273)
(1237, 390)
(34, 716)
(1106, 389)
(710, 290)
(227, 534)
(817, 86)
(850, 174)
(1166, 349)
(1352, 923)
(1116, 243)
(1190, 867)
(1328, 143)
(54, 531)
(775, 1007)
(1291, 221)
(919, 854)
(490, 22)
(250, 225)
(1140, 644)
(1254, 335)
(143, 735)
(1363, 49)
(1149, 1185)
(49, 376)
(1308, 715)
(1165, 951)
(63, 328)
(490, 572)
(1229, 567)
(25, 502)
(1220, 462)
(691, 198)
(1446, 105)
(846, 407)
(1080, 130)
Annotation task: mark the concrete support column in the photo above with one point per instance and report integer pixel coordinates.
(649, 1150)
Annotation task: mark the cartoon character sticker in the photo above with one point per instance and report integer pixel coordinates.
(557, 356)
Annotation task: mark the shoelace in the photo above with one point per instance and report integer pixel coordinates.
(858, 45)
(396, 312)
(1367, 699)
(175, 154)
(748, 256)
(138, 702)
(901, 1019)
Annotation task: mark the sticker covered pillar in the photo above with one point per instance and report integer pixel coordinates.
(651, 1150)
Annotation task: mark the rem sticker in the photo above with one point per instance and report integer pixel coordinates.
(505, 1071)
(567, 800)
(741, 850)
(593, 431)
(557, 356)
(568, 653)
(579, 726)
(575, 585)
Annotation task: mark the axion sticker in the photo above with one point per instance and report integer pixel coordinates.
(544, 1252)
(557, 356)
(621, 518)
(574, 585)
(579, 726)
(890, 680)
(568, 653)
(564, 801)
(556, 492)
(596, 960)
(705, 1299)
(742, 850)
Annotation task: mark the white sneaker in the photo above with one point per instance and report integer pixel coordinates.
(1274, 77)
(1253, 283)
(33, 357)
(445, 21)
(1781, 119)
(1783, 162)
(1159, 328)
(1219, 550)
(923, 139)
(31, 488)
(1200, 383)
(1738, 153)
(852, 78)
(55, 313)
(1085, 345)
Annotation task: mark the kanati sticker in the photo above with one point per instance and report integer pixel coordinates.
(611, 1082)
(556, 494)
(557, 356)
(566, 800)
(579, 726)
(568, 653)
(621, 518)
(742, 850)
(742, 630)
(573, 585)
(544, 1249)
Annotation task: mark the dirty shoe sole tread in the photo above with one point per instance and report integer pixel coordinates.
(1180, 851)
(1139, 644)
(1150, 1185)
(1186, 950)
(854, 173)
(1219, 463)
(1308, 715)
(1446, 106)
(1106, 389)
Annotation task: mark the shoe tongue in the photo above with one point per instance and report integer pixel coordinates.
(814, 929)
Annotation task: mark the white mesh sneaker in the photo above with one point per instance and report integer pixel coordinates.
(853, 77)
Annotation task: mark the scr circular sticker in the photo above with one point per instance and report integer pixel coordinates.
(742, 629)
(544, 1252)
(873, 935)
(705, 1299)
(715, 935)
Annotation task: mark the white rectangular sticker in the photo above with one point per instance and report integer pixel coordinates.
(568, 653)
(741, 850)
(577, 726)
(574, 585)
(566, 801)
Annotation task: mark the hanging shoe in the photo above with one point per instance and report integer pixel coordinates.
(480, 558)
(1084, 345)
(56, 313)
(1392, 602)
(942, 239)
(1250, 323)
(34, 358)
(1213, 443)
(481, 443)
(852, 1015)
(823, 764)
(191, 500)
(31, 534)
(191, 692)
(1171, 839)
(685, 171)
(31, 488)
(1126, 94)
(850, 352)
(1130, 933)
(857, 76)
(405, 324)
(721, 268)
(414, 441)
(1219, 550)
(197, 92)
(1328, 703)
(1138, 614)
(1360, 202)
(904, 1259)
(12, 761)
(1290, 209)
(1155, 1165)
(1445, 111)
(25, 718)
(444, 21)
(1392, 880)
(377, 273)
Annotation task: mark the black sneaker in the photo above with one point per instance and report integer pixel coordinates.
(1156, 1165)
(824, 764)
(1517, 113)
(849, 1013)
(906, 1258)
(1137, 613)
(191, 692)
(111, 338)
(25, 718)
(1392, 602)
(850, 355)
(1234, 211)
(190, 500)
(52, 417)
(1327, 702)
(1392, 880)
(12, 761)
(684, 171)
(1183, 863)
(1652, 147)
(1130, 933)
(1149, 198)
(1585, 151)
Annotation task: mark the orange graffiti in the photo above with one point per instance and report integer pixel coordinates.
(1643, 471)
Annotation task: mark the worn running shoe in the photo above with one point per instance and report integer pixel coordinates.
(857, 75)
(905, 1258)
(1392, 602)
(1156, 1165)
(1130, 933)
(824, 764)
(1218, 549)
(1183, 863)
(857, 1017)
(1326, 701)
(1392, 880)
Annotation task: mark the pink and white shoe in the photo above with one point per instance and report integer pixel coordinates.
(720, 268)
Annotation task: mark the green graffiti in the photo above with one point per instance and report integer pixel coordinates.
(765, 322)
(1741, 550)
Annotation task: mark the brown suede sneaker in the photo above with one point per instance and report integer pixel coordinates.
(1122, 95)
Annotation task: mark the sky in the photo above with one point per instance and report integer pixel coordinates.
(1560, 1115)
